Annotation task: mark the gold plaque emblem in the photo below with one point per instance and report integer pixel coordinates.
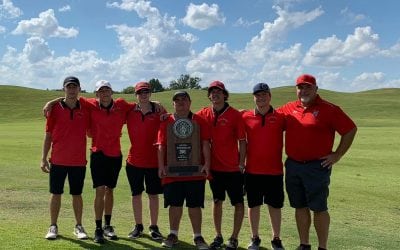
(183, 128)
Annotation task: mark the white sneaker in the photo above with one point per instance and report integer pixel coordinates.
(52, 233)
(80, 233)
(108, 231)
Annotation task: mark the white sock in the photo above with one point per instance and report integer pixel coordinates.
(196, 235)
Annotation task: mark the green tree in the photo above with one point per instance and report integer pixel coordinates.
(156, 86)
(185, 82)
(128, 90)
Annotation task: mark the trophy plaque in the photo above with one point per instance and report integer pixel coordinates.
(183, 149)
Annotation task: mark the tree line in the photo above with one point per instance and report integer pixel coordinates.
(183, 82)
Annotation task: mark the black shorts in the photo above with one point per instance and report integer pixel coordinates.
(105, 169)
(176, 193)
(264, 189)
(137, 177)
(76, 179)
(307, 184)
(229, 182)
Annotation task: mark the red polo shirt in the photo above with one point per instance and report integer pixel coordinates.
(68, 133)
(106, 125)
(264, 142)
(142, 130)
(226, 129)
(162, 140)
(310, 132)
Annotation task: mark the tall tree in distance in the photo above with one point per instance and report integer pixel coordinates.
(156, 86)
(185, 82)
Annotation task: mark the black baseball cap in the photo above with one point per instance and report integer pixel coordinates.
(180, 93)
(71, 80)
(260, 87)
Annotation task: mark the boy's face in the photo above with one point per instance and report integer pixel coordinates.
(262, 99)
(182, 104)
(104, 94)
(71, 91)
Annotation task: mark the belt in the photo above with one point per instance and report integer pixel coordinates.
(303, 162)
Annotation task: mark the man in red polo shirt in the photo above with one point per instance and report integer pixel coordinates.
(311, 123)
(143, 123)
(264, 168)
(66, 136)
(191, 189)
(227, 131)
(107, 116)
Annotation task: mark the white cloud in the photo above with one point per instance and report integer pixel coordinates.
(393, 51)
(332, 52)
(2, 29)
(368, 80)
(65, 8)
(280, 67)
(351, 17)
(213, 59)
(8, 10)
(142, 7)
(38, 62)
(257, 49)
(259, 61)
(245, 23)
(46, 25)
(157, 38)
(203, 16)
(36, 49)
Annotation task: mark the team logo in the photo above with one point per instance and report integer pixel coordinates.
(183, 128)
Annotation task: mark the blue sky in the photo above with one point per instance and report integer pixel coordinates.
(349, 46)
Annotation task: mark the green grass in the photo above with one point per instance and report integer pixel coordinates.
(364, 198)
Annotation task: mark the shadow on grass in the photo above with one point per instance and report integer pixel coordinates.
(123, 243)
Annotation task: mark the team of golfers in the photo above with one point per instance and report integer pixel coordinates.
(241, 155)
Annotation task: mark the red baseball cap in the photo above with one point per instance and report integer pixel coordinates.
(217, 84)
(306, 79)
(142, 85)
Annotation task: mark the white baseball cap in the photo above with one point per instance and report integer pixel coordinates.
(103, 83)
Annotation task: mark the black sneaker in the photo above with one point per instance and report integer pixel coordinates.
(170, 241)
(255, 243)
(276, 244)
(304, 247)
(109, 233)
(200, 243)
(155, 232)
(217, 243)
(136, 232)
(232, 244)
(98, 236)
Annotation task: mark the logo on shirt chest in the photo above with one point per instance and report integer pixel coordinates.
(79, 114)
(272, 119)
(222, 122)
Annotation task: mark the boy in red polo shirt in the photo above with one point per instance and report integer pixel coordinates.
(227, 131)
(107, 116)
(143, 123)
(191, 189)
(66, 136)
(311, 123)
(264, 168)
